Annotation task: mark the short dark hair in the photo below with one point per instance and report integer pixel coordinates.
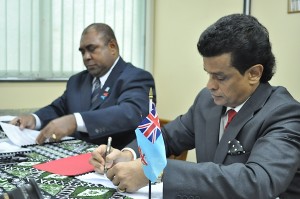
(104, 29)
(244, 38)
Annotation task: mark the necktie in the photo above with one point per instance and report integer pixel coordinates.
(231, 113)
(96, 92)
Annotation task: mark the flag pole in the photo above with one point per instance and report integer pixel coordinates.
(150, 107)
(150, 99)
(149, 195)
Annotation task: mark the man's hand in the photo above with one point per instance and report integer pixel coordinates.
(98, 159)
(57, 129)
(128, 176)
(24, 121)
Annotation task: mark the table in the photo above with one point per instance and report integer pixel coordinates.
(16, 174)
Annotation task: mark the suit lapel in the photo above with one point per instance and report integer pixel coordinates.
(86, 92)
(231, 133)
(112, 78)
(253, 104)
(212, 131)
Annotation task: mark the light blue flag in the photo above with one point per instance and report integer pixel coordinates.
(151, 145)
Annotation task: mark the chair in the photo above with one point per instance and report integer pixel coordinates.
(183, 155)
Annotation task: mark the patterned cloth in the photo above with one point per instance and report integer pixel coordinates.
(16, 174)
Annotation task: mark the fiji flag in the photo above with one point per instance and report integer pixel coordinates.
(151, 145)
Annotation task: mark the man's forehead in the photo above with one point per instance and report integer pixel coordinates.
(91, 39)
(215, 68)
(217, 64)
(214, 72)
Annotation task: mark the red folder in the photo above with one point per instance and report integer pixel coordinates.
(69, 166)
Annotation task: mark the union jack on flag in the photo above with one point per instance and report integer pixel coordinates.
(150, 126)
(151, 145)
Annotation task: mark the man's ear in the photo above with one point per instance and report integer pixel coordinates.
(113, 46)
(255, 73)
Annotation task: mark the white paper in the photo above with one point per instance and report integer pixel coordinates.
(17, 136)
(6, 146)
(6, 118)
(95, 178)
(22, 137)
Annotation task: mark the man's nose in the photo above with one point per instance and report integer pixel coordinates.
(86, 56)
(212, 84)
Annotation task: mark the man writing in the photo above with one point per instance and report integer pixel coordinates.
(255, 155)
(109, 98)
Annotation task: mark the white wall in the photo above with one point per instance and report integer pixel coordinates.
(178, 66)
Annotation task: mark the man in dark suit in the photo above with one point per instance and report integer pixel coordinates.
(257, 155)
(121, 97)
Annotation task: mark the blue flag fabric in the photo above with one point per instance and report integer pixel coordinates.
(151, 145)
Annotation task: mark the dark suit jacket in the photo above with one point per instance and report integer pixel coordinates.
(267, 127)
(124, 101)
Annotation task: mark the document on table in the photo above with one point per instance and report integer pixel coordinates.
(6, 118)
(22, 137)
(17, 136)
(95, 178)
(7, 148)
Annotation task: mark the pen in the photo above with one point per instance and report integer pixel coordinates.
(108, 147)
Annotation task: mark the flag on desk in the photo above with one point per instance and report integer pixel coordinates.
(151, 145)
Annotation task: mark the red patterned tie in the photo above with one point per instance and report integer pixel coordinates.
(231, 113)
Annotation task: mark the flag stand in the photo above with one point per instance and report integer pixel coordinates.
(149, 194)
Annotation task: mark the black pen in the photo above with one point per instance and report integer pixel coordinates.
(108, 148)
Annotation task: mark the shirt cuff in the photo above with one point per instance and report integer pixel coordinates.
(38, 123)
(131, 151)
(80, 123)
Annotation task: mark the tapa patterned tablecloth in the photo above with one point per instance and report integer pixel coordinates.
(16, 174)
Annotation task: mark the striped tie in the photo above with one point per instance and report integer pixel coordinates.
(96, 92)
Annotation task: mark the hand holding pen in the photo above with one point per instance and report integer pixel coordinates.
(108, 150)
(99, 159)
(105, 157)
